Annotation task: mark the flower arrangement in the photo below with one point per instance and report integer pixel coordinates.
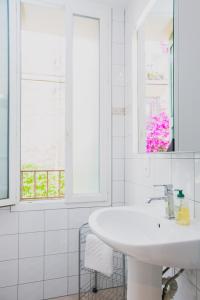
(158, 133)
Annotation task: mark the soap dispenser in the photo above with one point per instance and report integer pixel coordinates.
(183, 211)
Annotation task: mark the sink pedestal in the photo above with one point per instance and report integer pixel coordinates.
(144, 281)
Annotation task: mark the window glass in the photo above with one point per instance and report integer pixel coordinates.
(42, 101)
(86, 136)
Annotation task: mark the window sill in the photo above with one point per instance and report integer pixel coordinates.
(55, 204)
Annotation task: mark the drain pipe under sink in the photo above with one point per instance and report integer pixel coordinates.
(170, 285)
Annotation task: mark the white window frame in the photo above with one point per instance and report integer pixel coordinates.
(89, 9)
(13, 132)
(86, 8)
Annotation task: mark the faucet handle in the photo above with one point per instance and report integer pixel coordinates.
(168, 187)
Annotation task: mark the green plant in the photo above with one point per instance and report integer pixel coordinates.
(37, 183)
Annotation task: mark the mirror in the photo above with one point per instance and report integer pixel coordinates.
(155, 42)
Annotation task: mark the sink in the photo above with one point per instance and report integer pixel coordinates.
(150, 241)
(138, 233)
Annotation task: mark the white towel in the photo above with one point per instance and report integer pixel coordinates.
(98, 256)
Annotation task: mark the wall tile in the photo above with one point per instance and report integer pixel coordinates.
(141, 171)
(31, 269)
(73, 285)
(129, 192)
(118, 32)
(31, 244)
(118, 169)
(73, 240)
(138, 194)
(183, 176)
(161, 171)
(197, 180)
(56, 242)
(118, 75)
(93, 209)
(55, 266)
(183, 155)
(8, 273)
(197, 211)
(77, 217)
(9, 247)
(118, 14)
(73, 264)
(129, 170)
(118, 147)
(128, 146)
(9, 293)
(118, 126)
(118, 54)
(118, 192)
(192, 209)
(56, 219)
(128, 122)
(8, 222)
(119, 204)
(118, 96)
(31, 221)
(31, 291)
(55, 288)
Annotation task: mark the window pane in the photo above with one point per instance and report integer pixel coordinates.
(42, 101)
(86, 105)
(4, 99)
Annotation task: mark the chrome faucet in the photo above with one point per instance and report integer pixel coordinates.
(168, 198)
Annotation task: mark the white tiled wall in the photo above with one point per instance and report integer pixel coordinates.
(39, 249)
(118, 104)
(143, 171)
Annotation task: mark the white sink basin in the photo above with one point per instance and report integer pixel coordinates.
(154, 240)
(150, 241)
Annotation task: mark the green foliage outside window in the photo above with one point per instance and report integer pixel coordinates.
(37, 183)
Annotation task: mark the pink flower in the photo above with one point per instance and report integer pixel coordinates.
(158, 133)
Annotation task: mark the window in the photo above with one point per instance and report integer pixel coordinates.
(86, 132)
(4, 102)
(42, 101)
(65, 102)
